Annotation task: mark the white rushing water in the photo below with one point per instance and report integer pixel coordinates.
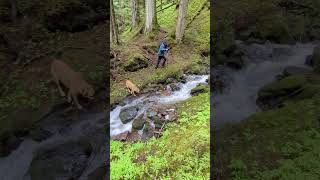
(16, 165)
(239, 101)
(117, 127)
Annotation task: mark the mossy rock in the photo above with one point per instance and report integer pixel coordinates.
(201, 88)
(138, 123)
(136, 62)
(276, 92)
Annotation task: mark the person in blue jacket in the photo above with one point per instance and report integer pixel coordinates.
(163, 49)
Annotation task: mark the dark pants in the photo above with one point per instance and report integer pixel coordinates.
(159, 60)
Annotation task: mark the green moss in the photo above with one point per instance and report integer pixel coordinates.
(282, 87)
(200, 89)
(135, 62)
(266, 142)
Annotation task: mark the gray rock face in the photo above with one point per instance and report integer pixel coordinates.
(66, 161)
(138, 123)
(128, 114)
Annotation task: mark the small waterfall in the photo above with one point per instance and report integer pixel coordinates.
(117, 127)
(239, 100)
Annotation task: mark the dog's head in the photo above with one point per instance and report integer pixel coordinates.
(88, 92)
(137, 90)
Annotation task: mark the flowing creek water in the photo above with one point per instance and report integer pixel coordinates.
(263, 64)
(116, 125)
(86, 127)
(89, 126)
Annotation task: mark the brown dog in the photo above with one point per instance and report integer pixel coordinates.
(72, 80)
(132, 88)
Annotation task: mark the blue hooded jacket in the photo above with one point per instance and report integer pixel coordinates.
(162, 49)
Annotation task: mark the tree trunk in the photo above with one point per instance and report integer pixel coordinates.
(114, 27)
(122, 17)
(14, 10)
(151, 17)
(181, 20)
(135, 13)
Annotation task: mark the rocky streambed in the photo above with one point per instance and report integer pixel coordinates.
(60, 147)
(144, 117)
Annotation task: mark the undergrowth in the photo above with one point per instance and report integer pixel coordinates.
(181, 153)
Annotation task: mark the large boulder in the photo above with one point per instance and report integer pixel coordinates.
(309, 61)
(64, 161)
(128, 114)
(136, 62)
(201, 88)
(275, 93)
(316, 59)
(138, 123)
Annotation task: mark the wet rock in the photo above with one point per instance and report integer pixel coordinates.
(151, 113)
(128, 114)
(8, 144)
(294, 70)
(120, 137)
(309, 61)
(183, 79)
(138, 123)
(147, 132)
(199, 89)
(65, 161)
(171, 80)
(316, 59)
(40, 134)
(275, 93)
(175, 86)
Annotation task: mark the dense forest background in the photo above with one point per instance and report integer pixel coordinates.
(31, 34)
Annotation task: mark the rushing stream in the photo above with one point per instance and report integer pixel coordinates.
(117, 127)
(264, 63)
(89, 125)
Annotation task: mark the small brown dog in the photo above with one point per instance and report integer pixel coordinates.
(132, 88)
(72, 80)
